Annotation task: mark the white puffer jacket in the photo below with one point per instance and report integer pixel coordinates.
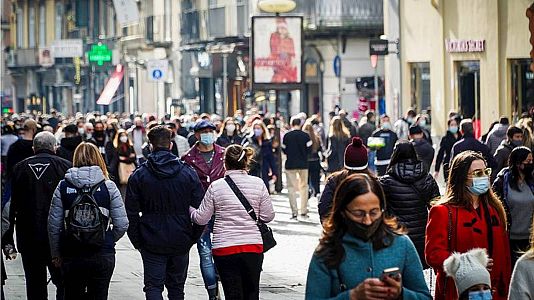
(233, 225)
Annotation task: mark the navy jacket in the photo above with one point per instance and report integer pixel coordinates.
(162, 190)
(468, 142)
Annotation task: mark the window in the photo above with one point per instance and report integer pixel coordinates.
(59, 21)
(31, 26)
(20, 28)
(468, 76)
(522, 86)
(242, 17)
(420, 85)
(42, 25)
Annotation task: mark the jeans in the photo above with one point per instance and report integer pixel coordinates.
(88, 277)
(207, 267)
(164, 270)
(297, 179)
(35, 265)
(371, 160)
(314, 171)
(240, 275)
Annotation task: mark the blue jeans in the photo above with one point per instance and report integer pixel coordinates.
(371, 160)
(164, 270)
(207, 268)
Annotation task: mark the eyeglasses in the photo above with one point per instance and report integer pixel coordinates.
(481, 173)
(361, 214)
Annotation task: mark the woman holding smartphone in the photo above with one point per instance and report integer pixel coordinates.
(363, 253)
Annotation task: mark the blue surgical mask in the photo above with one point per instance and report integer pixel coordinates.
(258, 132)
(480, 295)
(480, 185)
(453, 129)
(422, 123)
(386, 125)
(206, 138)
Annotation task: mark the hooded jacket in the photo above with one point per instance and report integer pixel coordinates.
(495, 138)
(68, 145)
(106, 195)
(425, 152)
(162, 190)
(501, 155)
(409, 190)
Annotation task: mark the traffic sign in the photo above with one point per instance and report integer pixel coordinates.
(157, 70)
(337, 66)
(378, 47)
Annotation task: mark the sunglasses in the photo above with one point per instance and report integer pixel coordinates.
(481, 173)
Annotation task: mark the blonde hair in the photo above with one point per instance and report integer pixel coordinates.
(338, 128)
(86, 155)
(530, 251)
(265, 135)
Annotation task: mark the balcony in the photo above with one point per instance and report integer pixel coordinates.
(149, 31)
(342, 15)
(17, 58)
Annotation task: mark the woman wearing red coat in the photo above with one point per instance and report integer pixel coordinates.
(470, 216)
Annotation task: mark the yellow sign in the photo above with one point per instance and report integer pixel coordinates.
(77, 74)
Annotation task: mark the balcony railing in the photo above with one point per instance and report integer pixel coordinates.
(150, 29)
(22, 58)
(345, 14)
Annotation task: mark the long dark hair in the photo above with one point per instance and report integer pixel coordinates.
(403, 151)
(457, 191)
(518, 155)
(330, 248)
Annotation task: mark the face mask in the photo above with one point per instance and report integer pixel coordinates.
(480, 295)
(480, 185)
(410, 120)
(386, 126)
(453, 129)
(230, 128)
(123, 139)
(258, 132)
(206, 138)
(528, 168)
(517, 143)
(99, 134)
(422, 123)
(89, 136)
(362, 231)
(81, 130)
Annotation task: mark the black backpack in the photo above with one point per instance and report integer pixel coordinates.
(85, 223)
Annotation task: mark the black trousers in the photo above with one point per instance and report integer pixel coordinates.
(381, 170)
(88, 277)
(314, 176)
(35, 265)
(240, 275)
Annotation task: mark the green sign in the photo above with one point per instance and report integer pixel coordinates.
(99, 54)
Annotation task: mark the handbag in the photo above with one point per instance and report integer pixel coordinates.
(266, 232)
(125, 170)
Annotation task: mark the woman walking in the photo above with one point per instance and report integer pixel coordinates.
(263, 164)
(87, 263)
(338, 139)
(237, 242)
(470, 216)
(230, 134)
(515, 187)
(314, 161)
(409, 191)
(122, 159)
(363, 253)
(445, 146)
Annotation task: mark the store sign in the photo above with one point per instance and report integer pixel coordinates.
(99, 53)
(77, 71)
(458, 46)
(67, 48)
(378, 47)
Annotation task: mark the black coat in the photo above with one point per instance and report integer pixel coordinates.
(67, 147)
(409, 190)
(17, 152)
(468, 142)
(225, 140)
(444, 152)
(501, 155)
(425, 152)
(34, 182)
(336, 153)
(162, 189)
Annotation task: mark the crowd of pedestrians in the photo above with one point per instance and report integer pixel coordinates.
(74, 186)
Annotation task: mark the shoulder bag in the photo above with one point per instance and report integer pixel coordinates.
(266, 232)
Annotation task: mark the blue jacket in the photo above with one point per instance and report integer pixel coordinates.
(362, 262)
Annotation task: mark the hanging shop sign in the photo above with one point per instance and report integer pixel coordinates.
(378, 47)
(106, 97)
(127, 11)
(77, 71)
(459, 46)
(67, 48)
(99, 53)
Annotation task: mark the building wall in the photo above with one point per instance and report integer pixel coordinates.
(424, 29)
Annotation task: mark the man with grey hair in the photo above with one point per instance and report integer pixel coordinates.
(33, 183)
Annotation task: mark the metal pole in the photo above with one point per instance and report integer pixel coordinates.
(225, 84)
(376, 94)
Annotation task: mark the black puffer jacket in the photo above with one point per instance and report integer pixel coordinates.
(409, 189)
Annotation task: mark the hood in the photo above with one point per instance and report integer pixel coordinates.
(507, 144)
(164, 164)
(70, 143)
(408, 171)
(500, 131)
(418, 142)
(84, 176)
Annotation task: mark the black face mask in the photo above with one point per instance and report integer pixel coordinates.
(99, 134)
(362, 231)
(528, 168)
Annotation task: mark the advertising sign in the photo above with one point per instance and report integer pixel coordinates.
(378, 47)
(106, 97)
(99, 53)
(67, 48)
(45, 57)
(277, 50)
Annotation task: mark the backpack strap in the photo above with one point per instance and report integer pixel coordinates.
(86, 190)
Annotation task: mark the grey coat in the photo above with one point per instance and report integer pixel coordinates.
(80, 177)
(495, 138)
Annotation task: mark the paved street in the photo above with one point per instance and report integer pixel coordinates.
(285, 266)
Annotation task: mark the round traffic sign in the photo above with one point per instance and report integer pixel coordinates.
(157, 74)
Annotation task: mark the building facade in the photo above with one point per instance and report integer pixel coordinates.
(466, 56)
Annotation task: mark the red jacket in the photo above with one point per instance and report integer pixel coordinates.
(206, 174)
(469, 230)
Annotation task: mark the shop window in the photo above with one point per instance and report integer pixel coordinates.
(522, 86)
(420, 85)
(468, 79)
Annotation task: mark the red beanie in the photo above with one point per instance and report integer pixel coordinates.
(356, 155)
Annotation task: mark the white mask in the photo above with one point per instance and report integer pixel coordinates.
(230, 128)
(123, 139)
(81, 130)
(89, 136)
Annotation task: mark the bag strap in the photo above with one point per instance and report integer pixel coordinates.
(241, 198)
(91, 191)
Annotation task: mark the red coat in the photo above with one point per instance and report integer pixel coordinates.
(469, 230)
(206, 174)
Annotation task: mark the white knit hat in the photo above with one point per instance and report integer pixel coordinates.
(468, 269)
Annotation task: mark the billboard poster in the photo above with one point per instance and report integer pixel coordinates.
(277, 50)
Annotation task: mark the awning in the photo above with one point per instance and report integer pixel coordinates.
(111, 86)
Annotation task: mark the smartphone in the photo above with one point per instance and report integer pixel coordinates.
(390, 272)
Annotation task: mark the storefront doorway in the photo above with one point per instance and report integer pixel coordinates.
(522, 87)
(468, 76)
(420, 85)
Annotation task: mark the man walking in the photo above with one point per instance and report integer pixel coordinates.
(296, 145)
(34, 182)
(514, 139)
(424, 149)
(207, 158)
(384, 150)
(162, 190)
(469, 142)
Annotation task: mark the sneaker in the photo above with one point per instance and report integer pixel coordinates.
(294, 217)
(305, 216)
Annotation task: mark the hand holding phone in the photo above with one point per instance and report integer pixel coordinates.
(391, 273)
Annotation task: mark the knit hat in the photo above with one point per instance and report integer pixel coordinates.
(356, 155)
(415, 129)
(468, 269)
